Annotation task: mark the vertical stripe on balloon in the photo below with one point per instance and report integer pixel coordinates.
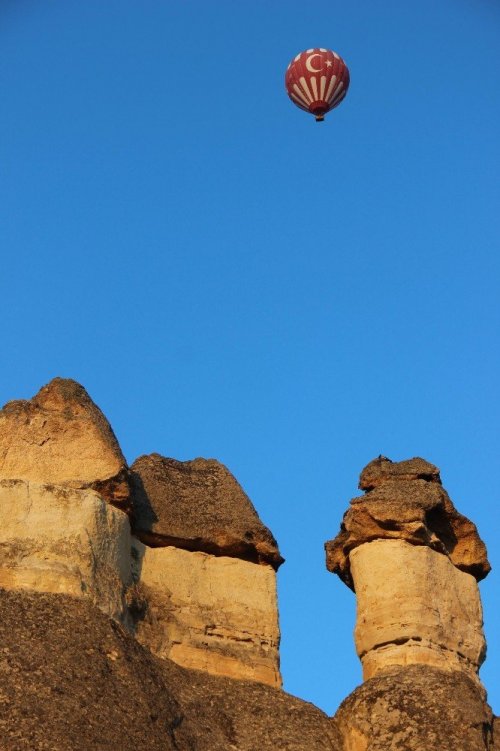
(304, 85)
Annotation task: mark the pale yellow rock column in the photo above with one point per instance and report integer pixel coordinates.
(415, 607)
(212, 613)
(60, 540)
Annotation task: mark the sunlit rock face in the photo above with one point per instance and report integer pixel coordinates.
(415, 607)
(413, 562)
(61, 437)
(406, 501)
(205, 570)
(62, 540)
(213, 613)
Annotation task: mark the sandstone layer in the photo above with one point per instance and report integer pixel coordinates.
(72, 679)
(417, 708)
(216, 614)
(415, 606)
(61, 437)
(58, 539)
(198, 505)
(405, 501)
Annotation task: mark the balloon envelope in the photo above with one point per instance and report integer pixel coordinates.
(317, 80)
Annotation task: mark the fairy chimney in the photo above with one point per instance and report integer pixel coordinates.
(414, 563)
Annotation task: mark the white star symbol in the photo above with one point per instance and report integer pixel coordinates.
(329, 63)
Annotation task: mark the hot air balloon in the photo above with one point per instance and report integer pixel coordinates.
(317, 80)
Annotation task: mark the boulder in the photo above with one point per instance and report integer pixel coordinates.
(416, 708)
(199, 506)
(61, 437)
(405, 501)
(382, 469)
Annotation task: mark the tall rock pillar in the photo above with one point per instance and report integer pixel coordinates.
(205, 570)
(413, 562)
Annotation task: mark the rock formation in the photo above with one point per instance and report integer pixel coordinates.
(198, 505)
(165, 635)
(208, 605)
(405, 501)
(71, 679)
(60, 437)
(418, 708)
(217, 614)
(203, 595)
(57, 539)
(413, 562)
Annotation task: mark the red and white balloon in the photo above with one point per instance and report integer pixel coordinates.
(317, 80)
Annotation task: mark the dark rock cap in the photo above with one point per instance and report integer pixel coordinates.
(198, 505)
(382, 469)
(61, 437)
(405, 501)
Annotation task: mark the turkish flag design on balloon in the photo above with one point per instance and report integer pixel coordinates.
(317, 80)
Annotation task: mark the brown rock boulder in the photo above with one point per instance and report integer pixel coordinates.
(382, 469)
(61, 437)
(198, 505)
(405, 501)
(416, 708)
(71, 679)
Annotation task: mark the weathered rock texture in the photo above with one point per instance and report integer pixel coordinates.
(418, 708)
(413, 561)
(198, 505)
(414, 606)
(405, 501)
(61, 437)
(58, 539)
(217, 614)
(72, 680)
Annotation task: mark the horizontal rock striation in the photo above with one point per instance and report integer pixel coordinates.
(415, 607)
(61, 437)
(199, 506)
(62, 540)
(216, 614)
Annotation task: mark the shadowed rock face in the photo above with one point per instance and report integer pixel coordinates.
(405, 501)
(416, 708)
(72, 679)
(199, 506)
(61, 437)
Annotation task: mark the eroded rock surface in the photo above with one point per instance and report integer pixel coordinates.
(415, 606)
(198, 505)
(405, 501)
(382, 469)
(417, 708)
(61, 437)
(59, 539)
(72, 679)
(216, 614)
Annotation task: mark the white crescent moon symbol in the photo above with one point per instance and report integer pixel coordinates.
(309, 65)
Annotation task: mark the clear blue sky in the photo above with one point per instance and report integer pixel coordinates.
(230, 279)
